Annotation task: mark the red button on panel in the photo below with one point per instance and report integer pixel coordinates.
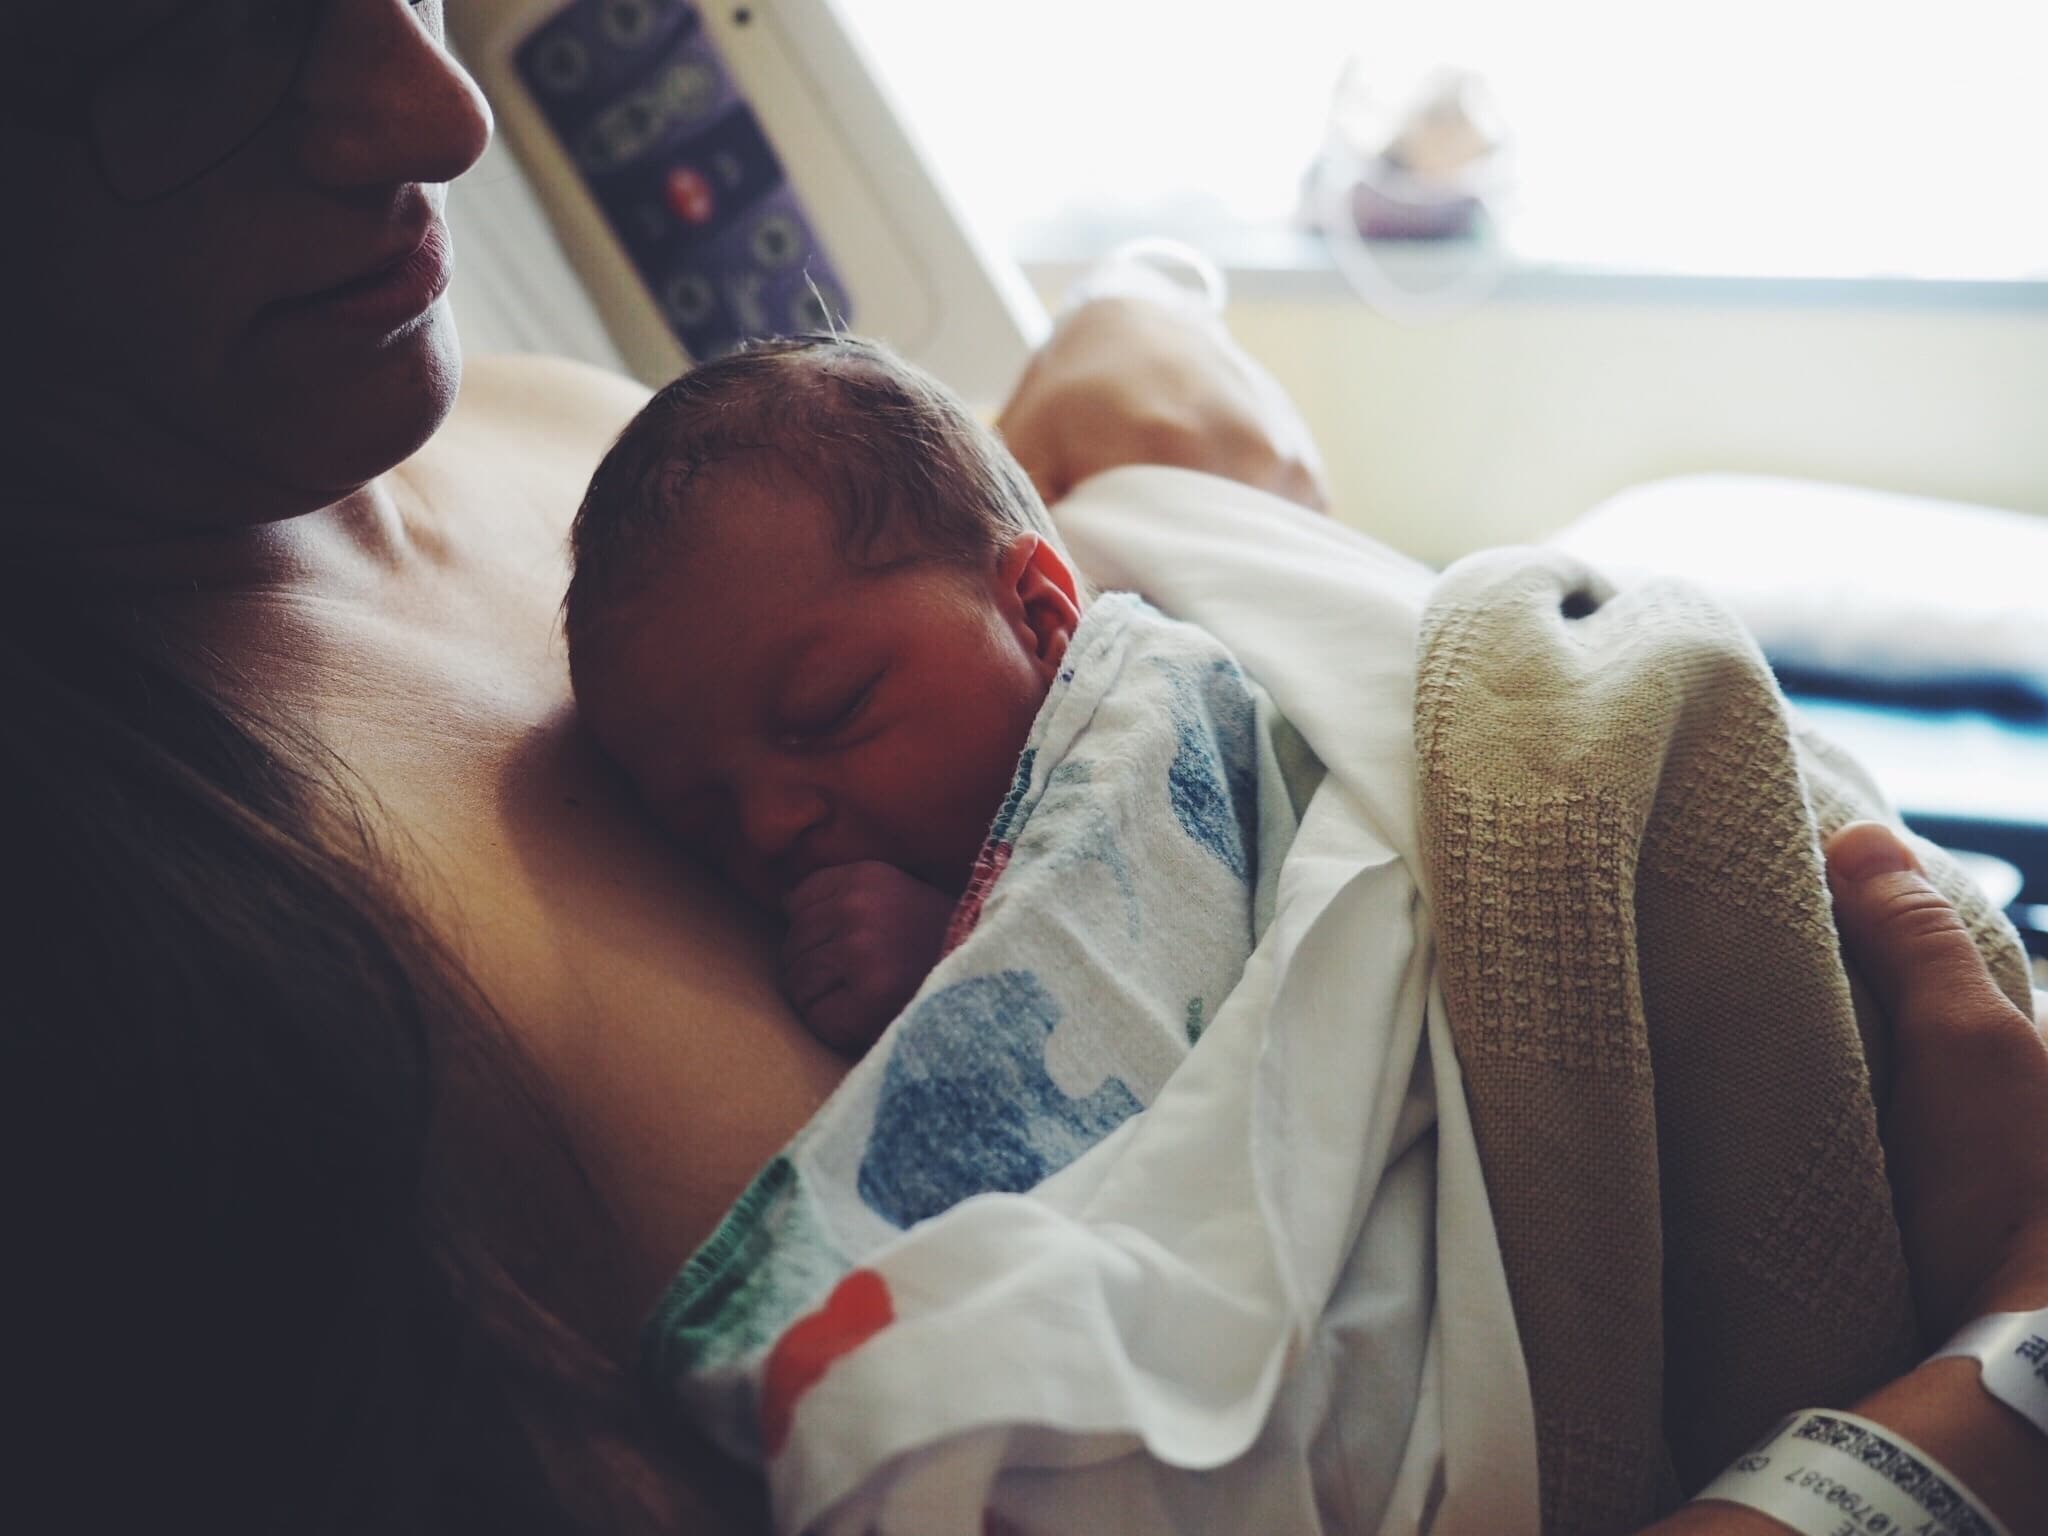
(690, 195)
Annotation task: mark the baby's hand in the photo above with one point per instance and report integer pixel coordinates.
(862, 938)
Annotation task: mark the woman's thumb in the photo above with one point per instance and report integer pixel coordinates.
(1903, 936)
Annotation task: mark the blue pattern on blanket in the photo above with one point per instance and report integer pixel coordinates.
(1215, 796)
(967, 1105)
(1088, 837)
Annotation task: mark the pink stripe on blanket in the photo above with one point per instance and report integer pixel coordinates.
(988, 869)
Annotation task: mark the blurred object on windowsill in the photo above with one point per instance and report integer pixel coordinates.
(1421, 166)
(1431, 163)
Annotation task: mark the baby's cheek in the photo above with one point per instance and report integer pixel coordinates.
(952, 773)
(923, 822)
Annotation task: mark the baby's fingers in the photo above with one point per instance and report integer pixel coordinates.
(820, 888)
(809, 976)
(812, 930)
(844, 1020)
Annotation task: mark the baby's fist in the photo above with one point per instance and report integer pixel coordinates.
(862, 938)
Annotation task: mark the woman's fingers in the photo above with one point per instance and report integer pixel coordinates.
(1908, 942)
(1968, 1162)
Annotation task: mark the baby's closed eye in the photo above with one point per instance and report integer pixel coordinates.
(814, 715)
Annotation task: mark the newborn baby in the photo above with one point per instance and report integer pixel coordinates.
(1026, 840)
(815, 612)
(816, 608)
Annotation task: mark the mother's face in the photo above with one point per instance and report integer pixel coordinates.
(268, 336)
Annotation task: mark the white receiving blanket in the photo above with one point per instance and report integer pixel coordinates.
(1273, 1301)
(1326, 619)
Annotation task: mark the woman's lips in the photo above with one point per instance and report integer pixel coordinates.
(391, 297)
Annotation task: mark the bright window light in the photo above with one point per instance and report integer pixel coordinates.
(1773, 137)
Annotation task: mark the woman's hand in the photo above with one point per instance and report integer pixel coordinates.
(1969, 1162)
(1128, 381)
(1969, 1172)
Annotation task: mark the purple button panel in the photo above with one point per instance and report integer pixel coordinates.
(641, 100)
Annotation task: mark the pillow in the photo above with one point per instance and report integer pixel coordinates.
(1858, 585)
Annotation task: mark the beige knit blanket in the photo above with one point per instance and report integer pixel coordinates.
(1666, 1064)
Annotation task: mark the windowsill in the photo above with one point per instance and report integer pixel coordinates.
(1289, 265)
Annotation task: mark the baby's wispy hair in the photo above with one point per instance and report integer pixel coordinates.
(908, 473)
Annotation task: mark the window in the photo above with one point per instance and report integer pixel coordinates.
(1772, 137)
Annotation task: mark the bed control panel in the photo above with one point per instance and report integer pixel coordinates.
(722, 171)
(639, 96)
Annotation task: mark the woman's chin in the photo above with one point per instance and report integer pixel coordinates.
(373, 418)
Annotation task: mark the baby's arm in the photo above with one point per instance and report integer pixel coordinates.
(862, 938)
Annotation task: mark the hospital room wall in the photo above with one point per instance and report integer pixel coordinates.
(1506, 422)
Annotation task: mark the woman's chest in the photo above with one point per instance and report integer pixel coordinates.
(643, 992)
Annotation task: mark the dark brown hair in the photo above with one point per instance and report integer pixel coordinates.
(249, 1288)
(905, 468)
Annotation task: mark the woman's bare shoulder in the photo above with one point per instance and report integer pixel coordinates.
(527, 431)
(575, 403)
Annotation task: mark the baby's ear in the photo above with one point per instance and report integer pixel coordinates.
(1046, 596)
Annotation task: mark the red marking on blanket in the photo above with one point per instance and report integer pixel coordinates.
(858, 1309)
(988, 869)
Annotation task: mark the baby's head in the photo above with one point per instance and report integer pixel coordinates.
(815, 609)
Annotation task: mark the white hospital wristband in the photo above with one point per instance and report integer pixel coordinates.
(2013, 1349)
(1826, 1473)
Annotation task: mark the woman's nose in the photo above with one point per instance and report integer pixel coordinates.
(383, 102)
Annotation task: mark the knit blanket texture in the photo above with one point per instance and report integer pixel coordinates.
(1675, 1083)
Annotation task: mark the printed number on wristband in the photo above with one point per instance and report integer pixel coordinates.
(1834, 1474)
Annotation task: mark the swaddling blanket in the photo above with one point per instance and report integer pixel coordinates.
(1271, 1302)
(1112, 910)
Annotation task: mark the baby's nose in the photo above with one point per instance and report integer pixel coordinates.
(776, 812)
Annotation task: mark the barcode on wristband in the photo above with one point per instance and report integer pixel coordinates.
(1920, 1482)
(1833, 1474)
